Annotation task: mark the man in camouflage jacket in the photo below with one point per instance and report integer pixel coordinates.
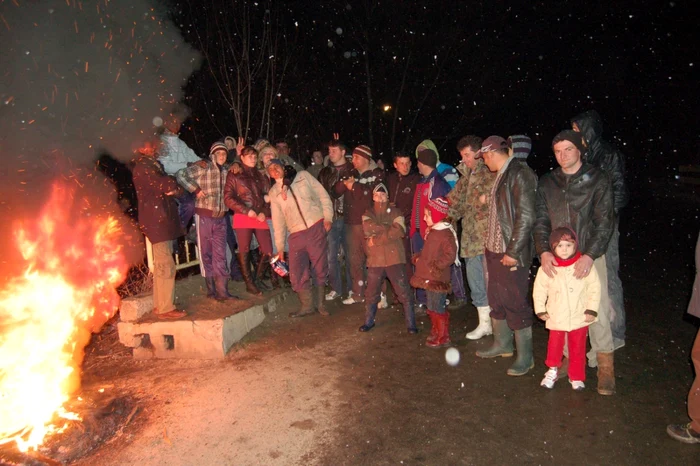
(469, 201)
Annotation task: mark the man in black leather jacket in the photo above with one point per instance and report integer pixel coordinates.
(601, 154)
(509, 254)
(579, 195)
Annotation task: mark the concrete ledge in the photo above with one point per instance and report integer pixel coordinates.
(208, 332)
(133, 308)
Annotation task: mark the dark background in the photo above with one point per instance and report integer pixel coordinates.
(468, 67)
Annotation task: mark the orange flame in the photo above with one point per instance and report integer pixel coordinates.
(75, 262)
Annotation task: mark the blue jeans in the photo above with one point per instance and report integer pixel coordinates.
(436, 301)
(416, 247)
(336, 239)
(477, 280)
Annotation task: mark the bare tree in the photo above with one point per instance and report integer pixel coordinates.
(247, 54)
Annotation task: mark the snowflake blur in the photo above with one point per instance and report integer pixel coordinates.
(74, 263)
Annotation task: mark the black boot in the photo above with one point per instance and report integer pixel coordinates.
(275, 280)
(254, 260)
(263, 267)
(244, 263)
(211, 287)
(221, 287)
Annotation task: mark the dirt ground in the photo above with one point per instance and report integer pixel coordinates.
(316, 391)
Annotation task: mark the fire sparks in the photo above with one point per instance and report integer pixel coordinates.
(74, 264)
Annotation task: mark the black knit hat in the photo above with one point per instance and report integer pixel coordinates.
(428, 157)
(572, 136)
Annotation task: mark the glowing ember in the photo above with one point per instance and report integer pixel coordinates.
(74, 263)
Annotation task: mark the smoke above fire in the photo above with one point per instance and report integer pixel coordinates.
(80, 78)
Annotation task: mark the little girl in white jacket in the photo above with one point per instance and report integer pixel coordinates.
(568, 305)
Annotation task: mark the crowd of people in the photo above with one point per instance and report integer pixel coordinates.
(347, 224)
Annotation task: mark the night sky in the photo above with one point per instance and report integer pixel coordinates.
(466, 67)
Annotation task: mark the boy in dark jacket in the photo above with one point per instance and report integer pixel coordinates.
(433, 269)
(384, 228)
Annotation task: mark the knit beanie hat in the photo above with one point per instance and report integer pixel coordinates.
(521, 145)
(428, 157)
(217, 146)
(562, 234)
(571, 136)
(439, 206)
(380, 188)
(363, 151)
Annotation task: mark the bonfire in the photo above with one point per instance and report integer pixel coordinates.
(74, 262)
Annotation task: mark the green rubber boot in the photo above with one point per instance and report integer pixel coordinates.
(502, 341)
(523, 344)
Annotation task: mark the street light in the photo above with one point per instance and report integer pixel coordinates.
(386, 107)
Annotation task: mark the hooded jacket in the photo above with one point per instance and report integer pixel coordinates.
(582, 201)
(429, 187)
(447, 171)
(384, 229)
(566, 298)
(603, 154)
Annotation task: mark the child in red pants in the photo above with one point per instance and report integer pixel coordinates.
(568, 305)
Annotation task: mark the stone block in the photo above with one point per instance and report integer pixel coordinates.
(135, 307)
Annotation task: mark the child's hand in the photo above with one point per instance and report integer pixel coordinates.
(545, 316)
(589, 318)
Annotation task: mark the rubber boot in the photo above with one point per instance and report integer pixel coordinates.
(443, 332)
(211, 287)
(445, 329)
(502, 341)
(244, 262)
(263, 267)
(523, 345)
(484, 327)
(434, 328)
(606, 373)
(307, 307)
(221, 287)
(320, 300)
